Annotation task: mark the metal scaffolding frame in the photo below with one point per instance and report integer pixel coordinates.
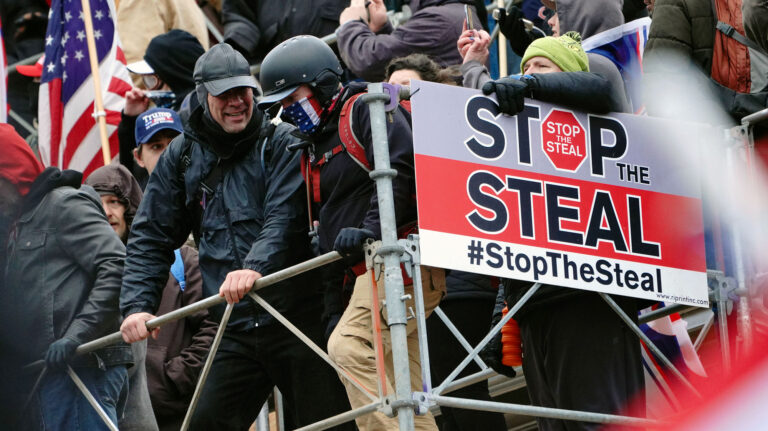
(390, 253)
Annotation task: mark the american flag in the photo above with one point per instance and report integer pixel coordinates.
(624, 45)
(3, 80)
(69, 134)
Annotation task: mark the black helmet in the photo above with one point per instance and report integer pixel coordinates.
(298, 60)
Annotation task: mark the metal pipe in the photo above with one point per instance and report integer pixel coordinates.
(207, 366)
(91, 400)
(341, 418)
(262, 420)
(703, 332)
(22, 122)
(469, 380)
(648, 342)
(215, 32)
(279, 409)
(311, 344)
(757, 117)
(725, 346)
(210, 301)
(544, 412)
(487, 338)
(421, 327)
(663, 312)
(460, 338)
(391, 252)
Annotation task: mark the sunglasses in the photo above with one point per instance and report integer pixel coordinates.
(151, 82)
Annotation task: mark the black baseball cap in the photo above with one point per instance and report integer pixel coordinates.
(222, 68)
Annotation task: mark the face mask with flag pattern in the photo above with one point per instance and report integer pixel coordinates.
(305, 114)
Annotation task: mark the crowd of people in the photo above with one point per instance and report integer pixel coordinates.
(223, 178)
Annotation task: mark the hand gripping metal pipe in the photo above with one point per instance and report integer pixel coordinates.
(203, 304)
(391, 252)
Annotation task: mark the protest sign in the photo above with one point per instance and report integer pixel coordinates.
(556, 196)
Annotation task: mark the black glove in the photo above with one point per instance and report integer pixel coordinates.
(491, 353)
(350, 241)
(59, 353)
(510, 93)
(333, 320)
(512, 27)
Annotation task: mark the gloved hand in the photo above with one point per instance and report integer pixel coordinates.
(333, 320)
(512, 27)
(491, 353)
(59, 353)
(510, 92)
(350, 240)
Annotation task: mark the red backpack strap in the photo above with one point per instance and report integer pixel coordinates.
(347, 134)
(311, 176)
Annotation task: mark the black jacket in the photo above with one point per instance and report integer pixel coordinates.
(254, 27)
(256, 219)
(348, 195)
(62, 275)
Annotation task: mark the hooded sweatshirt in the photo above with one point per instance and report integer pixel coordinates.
(173, 55)
(117, 180)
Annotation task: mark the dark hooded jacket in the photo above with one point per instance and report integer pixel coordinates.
(254, 218)
(255, 27)
(433, 29)
(63, 273)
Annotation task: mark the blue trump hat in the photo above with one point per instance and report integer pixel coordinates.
(154, 120)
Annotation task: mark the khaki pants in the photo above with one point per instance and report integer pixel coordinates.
(351, 346)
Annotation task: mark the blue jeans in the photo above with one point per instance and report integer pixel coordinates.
(63, 407)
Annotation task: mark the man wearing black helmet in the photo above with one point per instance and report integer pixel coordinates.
(302, 74)
(230, 180)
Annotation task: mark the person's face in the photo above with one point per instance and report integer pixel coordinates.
(233, 109)
(150, 152)
(300, 93)
(403, 76)
(540, 65)
(115, 211)
(10, 199)
(554, 24)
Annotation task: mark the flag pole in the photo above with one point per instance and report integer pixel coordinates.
(99, 114)
(502, 41)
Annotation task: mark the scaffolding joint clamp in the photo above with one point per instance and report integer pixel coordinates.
(380, 173)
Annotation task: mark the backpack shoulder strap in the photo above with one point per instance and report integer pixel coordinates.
(347, 134)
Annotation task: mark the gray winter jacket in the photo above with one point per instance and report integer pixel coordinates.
(433, 29)
(63, 273)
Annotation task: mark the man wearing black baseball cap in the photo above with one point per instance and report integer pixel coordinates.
(230, 180)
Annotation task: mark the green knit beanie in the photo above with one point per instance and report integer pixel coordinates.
(565, 51)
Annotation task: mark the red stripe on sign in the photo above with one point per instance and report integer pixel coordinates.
(673, 222)
(56, 112)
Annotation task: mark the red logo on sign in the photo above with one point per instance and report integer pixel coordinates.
(564, 140)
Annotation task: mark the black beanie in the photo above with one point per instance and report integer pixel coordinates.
(173, 55)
